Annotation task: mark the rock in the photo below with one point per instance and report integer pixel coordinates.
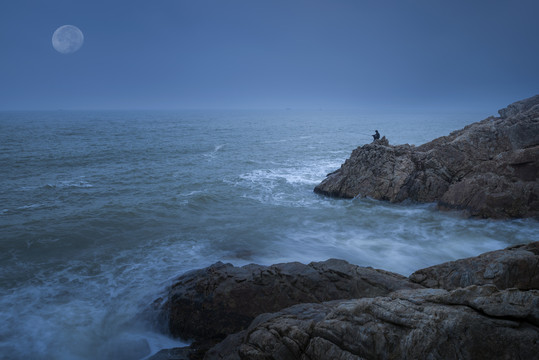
(510, 304)
(479, 322)
(503, 187)
(222, 299)
(519, 107)
(514, 267)
(296, 320)
(383, 141)
(482, 307)
(489, 168)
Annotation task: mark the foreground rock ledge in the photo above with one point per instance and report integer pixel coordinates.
(514, 267)
(472, 323)
(489, 168)
(477, 308)
(222, 299)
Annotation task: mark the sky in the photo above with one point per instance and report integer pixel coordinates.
(308, 54)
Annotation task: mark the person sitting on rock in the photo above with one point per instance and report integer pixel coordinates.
(376, 136)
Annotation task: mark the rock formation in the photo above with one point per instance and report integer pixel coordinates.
(478, 322)
(489, 168)
(210, 303)
(514, 267)
(478, 308)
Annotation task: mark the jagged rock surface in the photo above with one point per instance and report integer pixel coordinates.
(489, 168)
(514, 267)
(222, 299)
(472, 323)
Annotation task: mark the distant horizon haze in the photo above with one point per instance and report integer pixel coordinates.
(317, 54)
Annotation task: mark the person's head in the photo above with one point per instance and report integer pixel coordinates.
(376, 131)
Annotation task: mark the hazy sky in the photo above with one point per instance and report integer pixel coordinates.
(270, 54)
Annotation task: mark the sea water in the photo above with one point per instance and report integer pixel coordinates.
(100, 211)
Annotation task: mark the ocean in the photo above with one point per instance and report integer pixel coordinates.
(101, 211)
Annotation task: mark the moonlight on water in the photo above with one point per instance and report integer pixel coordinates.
(67, 39)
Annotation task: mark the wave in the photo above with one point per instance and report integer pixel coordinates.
(62, 184)
(73, 184)
(212, 154)
(191, 193)
(303, 174)
(283, 184)
(91, 308)
(30, 207)
(381, 236)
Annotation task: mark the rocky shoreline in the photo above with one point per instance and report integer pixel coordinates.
(488, 169)
(476, 308)
(482, 307)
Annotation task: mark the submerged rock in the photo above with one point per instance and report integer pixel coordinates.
(489, 168)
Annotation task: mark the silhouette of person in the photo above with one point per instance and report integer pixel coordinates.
(376, 136)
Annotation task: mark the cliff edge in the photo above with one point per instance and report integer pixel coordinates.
(488, 168)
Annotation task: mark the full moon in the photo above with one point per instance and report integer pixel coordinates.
(67, 39)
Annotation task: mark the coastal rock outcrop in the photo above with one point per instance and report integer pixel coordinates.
(476, 308)
(210, 303)
(478, 322)
(489, 168)
(514, 267)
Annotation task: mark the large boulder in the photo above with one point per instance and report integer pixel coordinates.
(481, 307)
(210, 303)
(514, 267)
(478, 322)
(489, 168)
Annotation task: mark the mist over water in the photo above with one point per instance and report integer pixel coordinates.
(100, 211)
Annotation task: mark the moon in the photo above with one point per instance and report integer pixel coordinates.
(67, 39)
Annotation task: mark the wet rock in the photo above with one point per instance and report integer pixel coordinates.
(489, 168)
(479, 322)
(222, 299)
(514, 267)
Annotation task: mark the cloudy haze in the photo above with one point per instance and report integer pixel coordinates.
(270, 54)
